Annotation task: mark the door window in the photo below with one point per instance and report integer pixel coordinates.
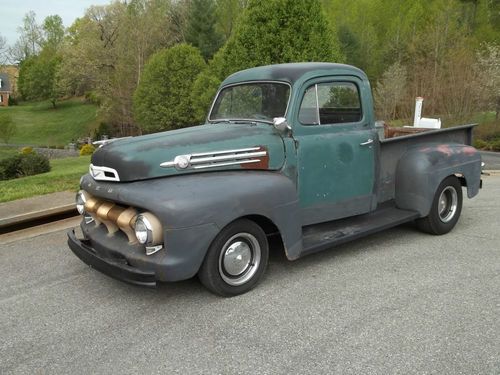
(330, 103)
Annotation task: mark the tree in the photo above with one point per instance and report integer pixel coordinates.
(201, 27)
(53, 29)
(270, 32)
(105, 52)
(37, 77)
(228, 12)
(7, 127)
(390, 91)
(3, 50)
(488, 78)
(163, 99)
(30, 38)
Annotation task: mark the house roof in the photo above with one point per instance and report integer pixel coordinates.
(5, 83)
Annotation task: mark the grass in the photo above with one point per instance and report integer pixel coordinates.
(64, 175)
(38, 123)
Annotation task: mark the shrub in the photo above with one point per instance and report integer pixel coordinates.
(87, 150)
(495, 145)
(31, 164)
(9, 167)
(22, 165)
(480, 144)
(162, 100)
(26, 150)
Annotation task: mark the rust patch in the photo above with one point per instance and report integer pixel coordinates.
(445, 149)
(262, 164)
(469, 150)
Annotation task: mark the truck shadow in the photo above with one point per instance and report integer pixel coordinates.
(280, 268)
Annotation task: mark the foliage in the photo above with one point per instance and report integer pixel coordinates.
(163, 99)
(22, 165)
(87, 149)
(201, 27)
(7, 127)
(37, 77)
(53, 32)
(435, 41)
(106, 51)
(488, 77)
(64, 175)
(270, 32)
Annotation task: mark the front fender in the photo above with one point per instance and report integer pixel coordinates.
(421, 170)
(212, 199)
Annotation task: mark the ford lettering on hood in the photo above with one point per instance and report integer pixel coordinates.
(220, 146)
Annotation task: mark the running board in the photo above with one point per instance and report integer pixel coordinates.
(323, 236)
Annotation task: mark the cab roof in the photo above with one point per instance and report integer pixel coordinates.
(292, 72)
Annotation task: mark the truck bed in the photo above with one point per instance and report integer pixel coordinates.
(392, 149)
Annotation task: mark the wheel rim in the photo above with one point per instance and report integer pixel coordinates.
(447, 204)
(239, 259)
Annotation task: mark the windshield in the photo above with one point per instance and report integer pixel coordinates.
(261, 101)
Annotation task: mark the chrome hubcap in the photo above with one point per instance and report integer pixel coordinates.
(239, 259)
(447, 204)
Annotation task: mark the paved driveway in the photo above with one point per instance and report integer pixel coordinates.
(399, 302)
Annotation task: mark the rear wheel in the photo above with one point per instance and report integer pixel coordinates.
(236, 259)
(446, 208)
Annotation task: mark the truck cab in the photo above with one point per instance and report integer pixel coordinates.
(289, 151)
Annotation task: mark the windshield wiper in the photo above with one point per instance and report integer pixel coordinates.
(235, 122)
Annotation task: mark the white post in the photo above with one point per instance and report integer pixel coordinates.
(418, 111)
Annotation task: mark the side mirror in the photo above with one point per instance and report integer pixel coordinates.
(281, 125)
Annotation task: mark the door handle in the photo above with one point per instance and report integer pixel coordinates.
(367, 143)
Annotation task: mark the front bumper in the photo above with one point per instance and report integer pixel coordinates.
(116, 269)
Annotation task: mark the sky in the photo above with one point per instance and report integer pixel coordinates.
(13, 11)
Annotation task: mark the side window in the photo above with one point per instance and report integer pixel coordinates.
(330, 103)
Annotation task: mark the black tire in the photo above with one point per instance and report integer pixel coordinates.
(446, 208)
(240, 246)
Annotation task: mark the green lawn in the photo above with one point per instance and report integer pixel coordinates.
(38, 123)
(64, 175)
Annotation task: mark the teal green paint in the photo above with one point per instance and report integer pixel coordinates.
(333, 166)
(152, 150)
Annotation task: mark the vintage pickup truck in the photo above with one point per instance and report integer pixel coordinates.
(288, 151)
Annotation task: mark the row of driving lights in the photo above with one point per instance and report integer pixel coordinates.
(146, 226)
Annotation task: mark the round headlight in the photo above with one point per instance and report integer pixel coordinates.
(80, 202)
(143, 230)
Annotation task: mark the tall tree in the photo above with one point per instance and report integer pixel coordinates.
(228, 12)
(3, 50)
(201, 27)
(53, 29)
(270, 32)
(30, 38)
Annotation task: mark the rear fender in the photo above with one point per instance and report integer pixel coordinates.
(421, 170)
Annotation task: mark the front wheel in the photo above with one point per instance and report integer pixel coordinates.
(446, 208)
(236, 259)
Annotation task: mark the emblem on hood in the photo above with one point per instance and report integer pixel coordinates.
(244, 156)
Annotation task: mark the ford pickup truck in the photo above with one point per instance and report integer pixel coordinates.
(288, 151)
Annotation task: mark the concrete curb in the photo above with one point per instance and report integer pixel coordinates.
(37, 215)
(43, 207)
